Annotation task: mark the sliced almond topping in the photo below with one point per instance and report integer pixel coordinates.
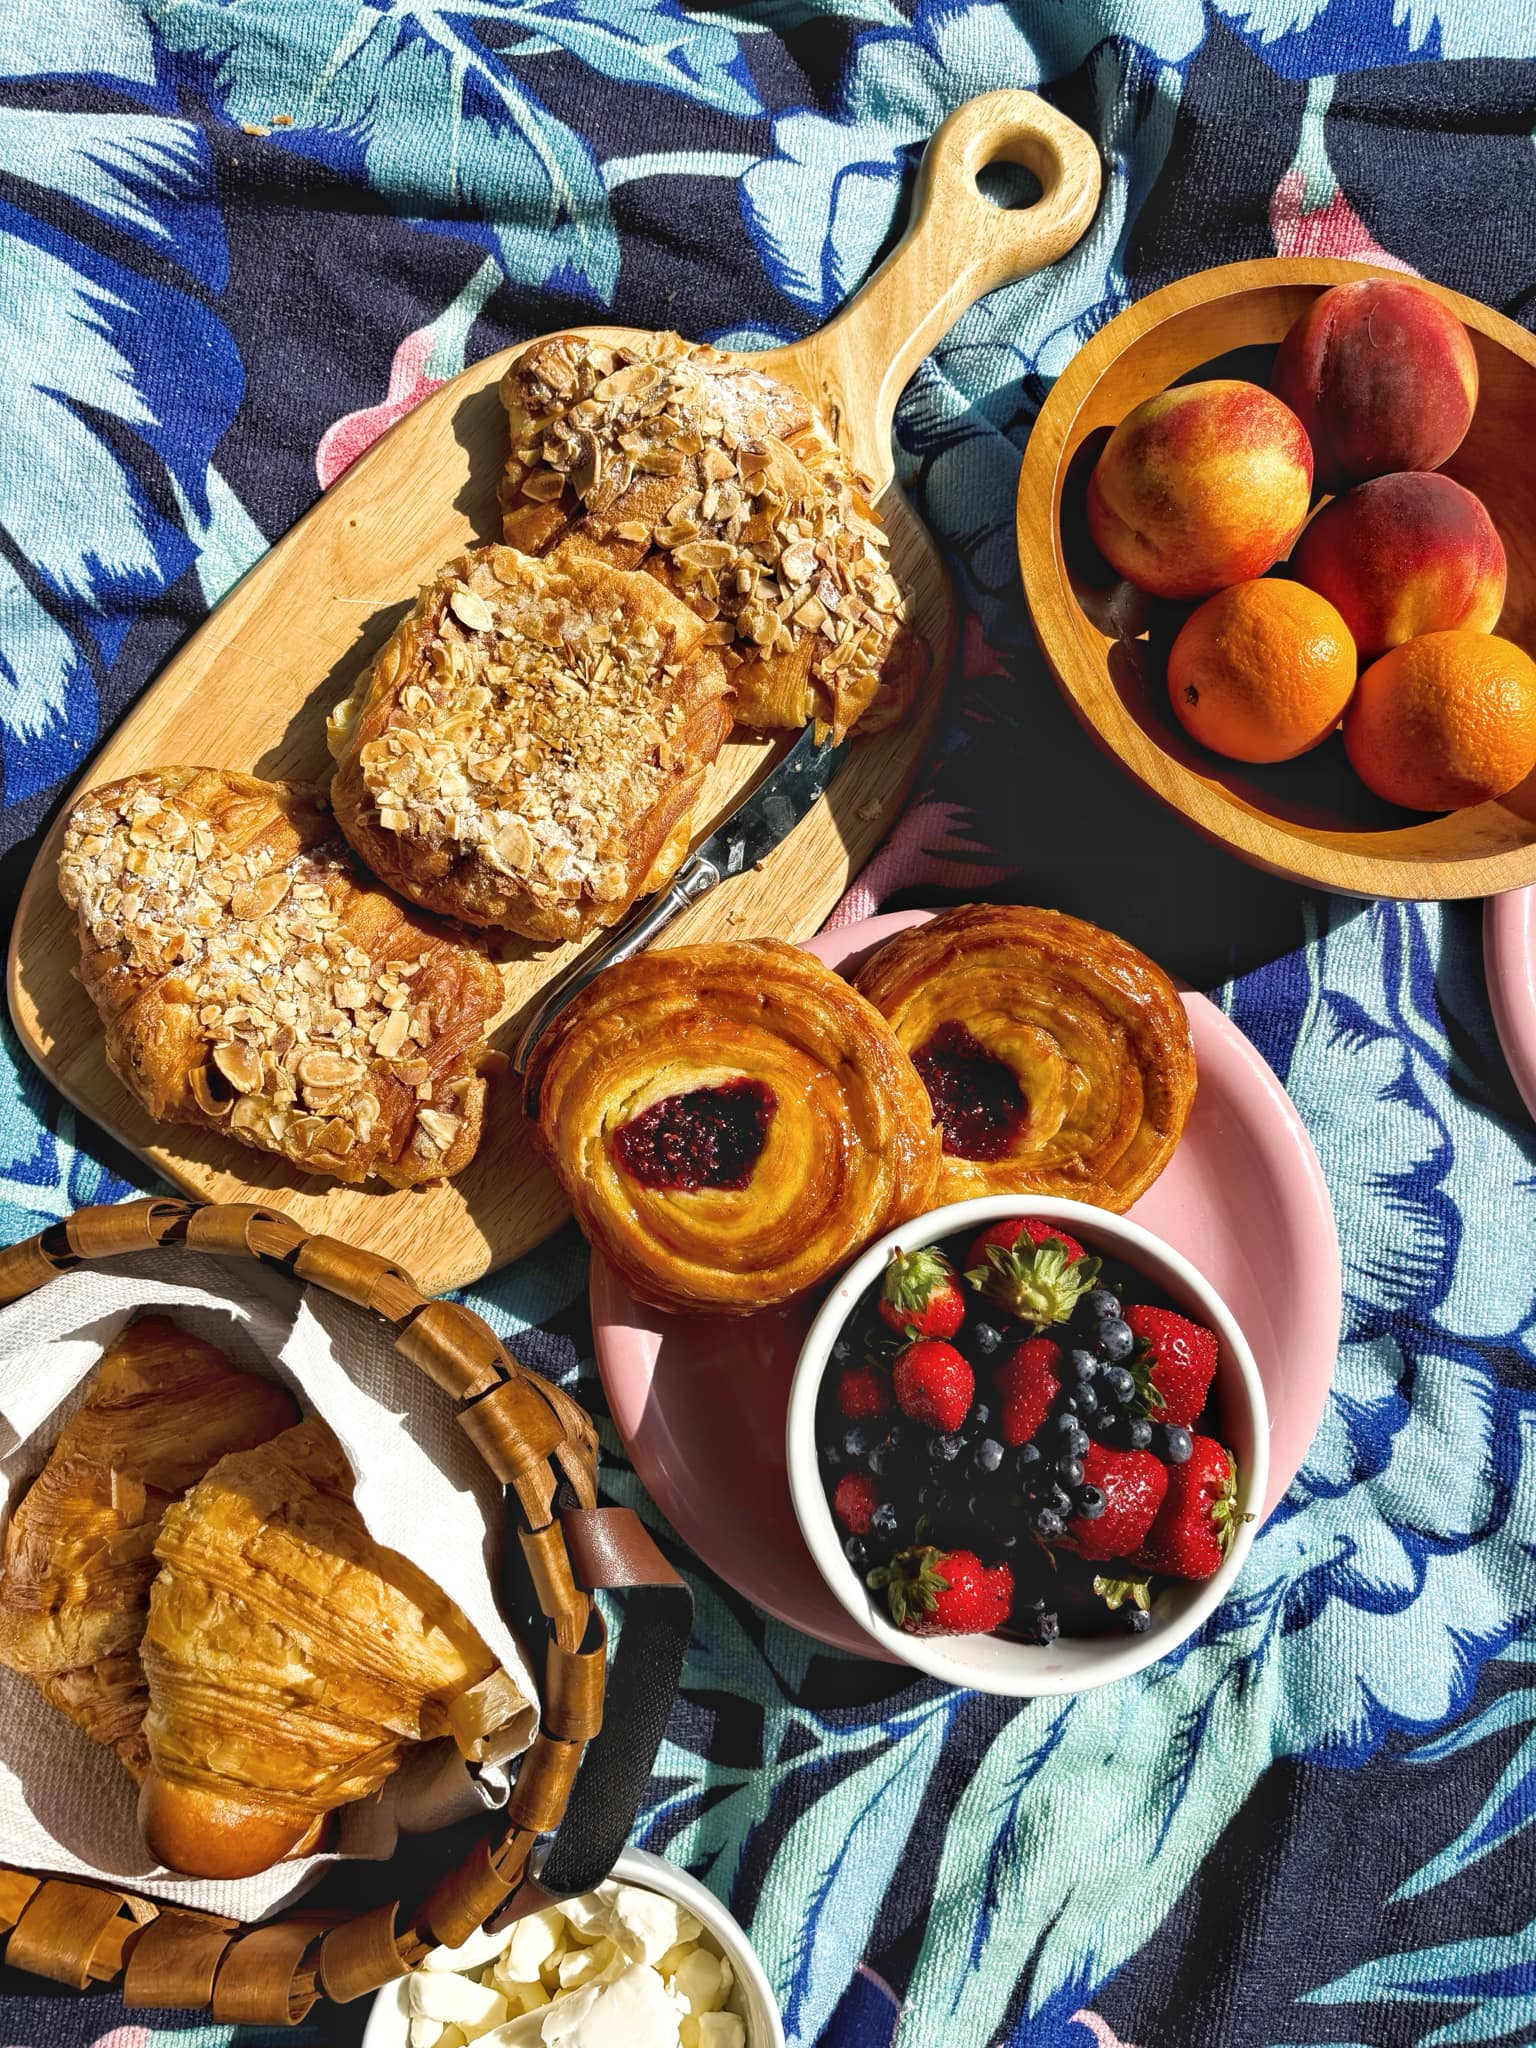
(240, 1067)
(318, 1069)
(392, 1033)
(203, 1095)
(438, 1128)
(542, 485)
(470, 610)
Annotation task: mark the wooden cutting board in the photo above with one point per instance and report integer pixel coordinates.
(252, 686)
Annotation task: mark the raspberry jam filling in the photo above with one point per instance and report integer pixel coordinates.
(709, 1138)
(976, 1098)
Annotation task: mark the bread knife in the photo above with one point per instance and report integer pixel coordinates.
(759, 823)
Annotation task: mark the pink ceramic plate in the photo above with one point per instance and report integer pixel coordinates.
(1509, 962)
(700, 1401)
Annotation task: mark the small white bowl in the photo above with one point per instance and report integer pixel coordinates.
(389, 2020)
(1071, 1664)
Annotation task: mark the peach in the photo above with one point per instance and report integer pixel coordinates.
(1201, 486)
(1403, 555)
(1382, 376)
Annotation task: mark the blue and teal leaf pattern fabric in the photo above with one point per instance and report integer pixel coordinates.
(238, 238)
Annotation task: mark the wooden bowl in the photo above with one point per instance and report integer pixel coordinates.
(1311, 819)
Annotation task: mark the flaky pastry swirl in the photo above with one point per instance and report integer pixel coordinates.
(732, 1123)
(1058, 1056)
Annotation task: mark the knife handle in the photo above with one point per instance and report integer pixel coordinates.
(650, 917)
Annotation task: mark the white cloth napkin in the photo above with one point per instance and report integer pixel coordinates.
(66, 1805)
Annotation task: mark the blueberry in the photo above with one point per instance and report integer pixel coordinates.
(1174, 1444)
(1119, 1384)
(1085, 1402)
(1065, 1424)
(860, 1438)
(1007, 1539)
(979, 1417)
(1069, 1472)
(1040, 1626)
(988, 1455)
(1090, 1503)
(883, 1525)
(1059, 1499)
(1099, 1303)
(842, 1349)
(1048, 1524)
(1138, 1436)
(986, 1338)
(1137, 1620)
(832, 1457)
(856, 1550)
(1081, 1363)
(943, 1450)
(1116, 1339)
(1027, 1455)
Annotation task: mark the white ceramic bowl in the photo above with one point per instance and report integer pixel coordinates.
(1071, 1664)
(389, 2020)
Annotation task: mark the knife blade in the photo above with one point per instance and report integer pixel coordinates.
(761, 821)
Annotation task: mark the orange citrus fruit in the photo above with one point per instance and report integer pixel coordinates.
(1262, 671)
(1445, 720)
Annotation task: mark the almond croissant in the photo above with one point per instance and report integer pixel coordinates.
(291, 1660)
(79, 1550)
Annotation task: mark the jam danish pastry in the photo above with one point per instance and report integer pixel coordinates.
(526, 750)
(1057, 1057)
(722, 482)
(732, 1123)
(250, 981)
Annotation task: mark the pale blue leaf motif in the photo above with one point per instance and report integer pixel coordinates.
(426, 103)
(1492, 1977)
(94, 342)
(100, 38)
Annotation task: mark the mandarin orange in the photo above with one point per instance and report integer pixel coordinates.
(1444, 721)
(1262, 671)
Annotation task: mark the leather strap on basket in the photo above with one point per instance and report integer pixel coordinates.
(543, 1448)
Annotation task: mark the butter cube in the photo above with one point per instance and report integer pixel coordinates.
(580, 1965)
(426, 2033)
(469, 1955)
(645, 1925)
(530, 1944)
(713, 2030)
(700, 1982)
(522, 1998)
(635, 2010)
(457, 2001)
(526, 2031)
(590, 1917)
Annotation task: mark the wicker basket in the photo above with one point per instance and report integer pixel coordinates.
(542, 1448)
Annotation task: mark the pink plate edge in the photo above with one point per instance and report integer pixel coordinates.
(620, 1362)
(1509, 967)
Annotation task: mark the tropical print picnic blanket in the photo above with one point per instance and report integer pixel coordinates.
(238, 238)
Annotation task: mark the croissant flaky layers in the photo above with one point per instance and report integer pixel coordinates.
(1058, 1057)
(731, 1123)
(251, 982)
(80, 1546)
(290, 1659)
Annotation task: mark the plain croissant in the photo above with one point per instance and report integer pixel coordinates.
(79, 1550)
(290, 1659)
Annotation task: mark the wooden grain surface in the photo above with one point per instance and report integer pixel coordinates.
(1309, 820)
(252, 687)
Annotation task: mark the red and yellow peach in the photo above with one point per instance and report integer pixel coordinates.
(1403, 555)
(1199, 487)
(1382, 375)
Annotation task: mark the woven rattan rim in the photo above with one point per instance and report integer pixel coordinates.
(533, 1437)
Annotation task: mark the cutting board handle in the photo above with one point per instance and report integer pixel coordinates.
(957, 246)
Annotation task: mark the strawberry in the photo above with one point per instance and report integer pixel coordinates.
(1033, 1270)
(920, 1295)
(944, 1592)
(1198, 1522)
(1133, 1484)
(934, 1384)
(1005, 1236)
(855, 1501)
(1181, 1359)
(1028, 1381)
(863, 1391)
